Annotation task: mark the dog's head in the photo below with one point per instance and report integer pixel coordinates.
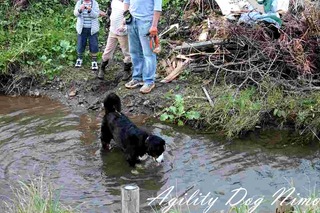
(155, 147)
(112, 103)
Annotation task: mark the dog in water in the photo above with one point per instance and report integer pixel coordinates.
(134, 141)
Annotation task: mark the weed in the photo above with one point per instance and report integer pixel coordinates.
(177, 113)
(36, 196)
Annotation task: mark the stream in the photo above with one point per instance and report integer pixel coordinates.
(41, 137)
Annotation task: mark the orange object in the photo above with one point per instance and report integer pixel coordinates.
(153, 31)
(154, 42)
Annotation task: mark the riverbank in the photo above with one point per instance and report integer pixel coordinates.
(231, 116)
(248, 94)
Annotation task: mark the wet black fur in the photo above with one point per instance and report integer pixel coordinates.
(126, 134)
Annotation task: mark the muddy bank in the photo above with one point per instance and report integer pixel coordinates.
(90, 95)
(82, 91)
(87, 93)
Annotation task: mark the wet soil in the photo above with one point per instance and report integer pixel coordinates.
(82, 91)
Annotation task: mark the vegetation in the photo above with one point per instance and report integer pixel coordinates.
(236, 112)
(259, 81)
(40, 39)
(265, 83)
(36, 196)
(177, 113)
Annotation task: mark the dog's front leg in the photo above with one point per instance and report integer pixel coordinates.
(106, 136)
(131, 157)
(105, 146)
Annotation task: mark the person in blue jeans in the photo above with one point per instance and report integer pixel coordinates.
(87, 13)
(145, 16)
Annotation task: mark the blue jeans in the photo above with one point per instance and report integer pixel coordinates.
(82, 41)
(144, 60)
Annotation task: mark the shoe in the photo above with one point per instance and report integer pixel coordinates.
(78, 63)
(146, 88)
(133, 84)
(94, 66)
(102, 70)
(127, 71)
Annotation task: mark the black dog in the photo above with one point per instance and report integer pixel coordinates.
(134, 142)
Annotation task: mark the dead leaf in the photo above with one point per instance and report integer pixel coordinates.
(174, 64)
(206, 82)
(163, 63)
(176, 72)
(73, 93)
(204, 35)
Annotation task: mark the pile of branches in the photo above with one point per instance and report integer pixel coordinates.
(292, 61)
(288, 57)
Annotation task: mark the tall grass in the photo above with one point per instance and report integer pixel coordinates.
(36, 197)
(236, 112)
(41, 37)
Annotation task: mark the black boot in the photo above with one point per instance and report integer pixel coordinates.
(127, 71)
(102, 69)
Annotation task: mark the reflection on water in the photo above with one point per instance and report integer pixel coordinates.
(42, 137)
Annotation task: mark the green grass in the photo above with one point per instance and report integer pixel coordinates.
(36, 197)
(41, 38)
(235, 112)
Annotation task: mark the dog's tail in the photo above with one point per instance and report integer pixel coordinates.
(112, 103)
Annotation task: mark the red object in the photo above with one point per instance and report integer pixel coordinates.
(154, 40)
(153, 31)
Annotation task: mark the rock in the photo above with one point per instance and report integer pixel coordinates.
(37, 93)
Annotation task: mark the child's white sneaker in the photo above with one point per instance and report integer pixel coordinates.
(78, 63)
(94, 65)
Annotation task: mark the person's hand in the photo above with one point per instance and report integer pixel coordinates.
(82, 7)
(103, 14)
(89, 8)
(122, 28)
(153, 31)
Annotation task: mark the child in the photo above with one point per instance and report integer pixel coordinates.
(87, 13)
(116, 34)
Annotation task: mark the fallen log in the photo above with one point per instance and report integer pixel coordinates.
(201, 45)
(198, 67)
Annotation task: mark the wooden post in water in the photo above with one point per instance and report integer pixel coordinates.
(285, 207)
(130, 199)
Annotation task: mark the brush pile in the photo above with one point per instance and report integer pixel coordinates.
(243, 55)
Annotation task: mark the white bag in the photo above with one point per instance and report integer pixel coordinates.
(283, 5)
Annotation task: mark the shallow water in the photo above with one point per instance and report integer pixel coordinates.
(40, 137)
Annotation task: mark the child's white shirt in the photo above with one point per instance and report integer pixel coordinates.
(116, 17)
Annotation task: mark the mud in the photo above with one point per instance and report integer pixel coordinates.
(90, 92)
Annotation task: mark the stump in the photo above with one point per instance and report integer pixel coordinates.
(285, 207)
(130, 199)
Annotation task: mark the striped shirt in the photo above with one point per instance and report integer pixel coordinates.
(87, 20)
(94, 14)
